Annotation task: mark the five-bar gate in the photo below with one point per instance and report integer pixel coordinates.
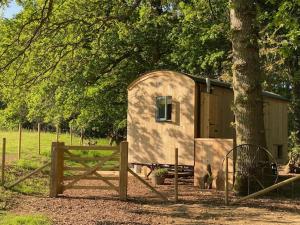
(66, 174)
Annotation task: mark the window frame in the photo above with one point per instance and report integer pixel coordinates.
(167, 110)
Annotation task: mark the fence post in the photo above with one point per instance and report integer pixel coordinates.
(71, 135)
(20, 141)
(57, 166)
(123, 170)
(176, 174)
(57, 133)
(39, 136)
(3, 161)
(226, 180)
(81, 136)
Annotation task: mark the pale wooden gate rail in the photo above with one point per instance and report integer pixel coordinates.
(60, 153)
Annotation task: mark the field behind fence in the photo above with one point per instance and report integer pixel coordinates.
(30, 143)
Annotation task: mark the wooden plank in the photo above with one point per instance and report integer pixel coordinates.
(176, 175)
(268, 189)
(56, 174)
(60, 166)
(3, 161)
(53, 182)
(78, 168)
(20, 141)
(90, 178)
(123, 171)
(148, 185)
(113, 168)
(94, 147)
(88, 187)
(204, 115)
(226, 180)
(78, 158)
(29, 175)
(74, 168)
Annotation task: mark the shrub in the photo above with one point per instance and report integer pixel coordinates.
(161, 172)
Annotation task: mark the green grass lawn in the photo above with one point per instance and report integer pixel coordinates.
(29, 146)
(13, 219)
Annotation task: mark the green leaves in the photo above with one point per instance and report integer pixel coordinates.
(75, 64)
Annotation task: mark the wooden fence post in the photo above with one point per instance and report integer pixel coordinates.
(81, 136)
(39, 136)
(226, 180)
(123, 170)
(176, 175)
(57, 133)
(57, 169)
(3, 161)
(20, 141)
(71, 135)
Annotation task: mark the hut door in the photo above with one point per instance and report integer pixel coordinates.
(210, 116)
(214, 116)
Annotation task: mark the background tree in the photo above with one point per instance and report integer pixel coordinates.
(73, 60)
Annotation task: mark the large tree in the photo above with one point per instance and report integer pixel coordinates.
(247, 80)
(247, 74)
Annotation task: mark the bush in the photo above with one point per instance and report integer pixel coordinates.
(161, 172)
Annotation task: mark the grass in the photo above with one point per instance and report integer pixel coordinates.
(13, 219)
(29, 144)
(30, 158)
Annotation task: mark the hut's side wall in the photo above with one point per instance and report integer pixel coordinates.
(276, 125)
(154, 142)
(217, 117)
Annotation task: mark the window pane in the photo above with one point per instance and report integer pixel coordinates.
(169, 111)
(161, 108)
(169, 107)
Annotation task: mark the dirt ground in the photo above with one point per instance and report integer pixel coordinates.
(98, 207)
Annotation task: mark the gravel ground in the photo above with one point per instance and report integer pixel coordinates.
(98, 207)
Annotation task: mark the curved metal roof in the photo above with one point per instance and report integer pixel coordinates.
(214, 82)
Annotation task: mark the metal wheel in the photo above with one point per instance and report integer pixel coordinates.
(253, 162)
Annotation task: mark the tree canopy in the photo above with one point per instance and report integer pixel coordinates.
(66, 61)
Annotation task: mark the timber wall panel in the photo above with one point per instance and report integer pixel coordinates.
(276, 124)
(212, 151)
(154, 142)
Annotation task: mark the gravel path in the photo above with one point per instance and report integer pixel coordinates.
(78, 207)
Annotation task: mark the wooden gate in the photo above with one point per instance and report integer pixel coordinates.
(114, 158)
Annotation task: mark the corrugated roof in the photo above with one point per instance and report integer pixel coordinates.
(218, 83)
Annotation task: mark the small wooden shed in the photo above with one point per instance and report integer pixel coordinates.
(168, 110)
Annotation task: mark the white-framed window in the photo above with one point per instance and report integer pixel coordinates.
(163, 108)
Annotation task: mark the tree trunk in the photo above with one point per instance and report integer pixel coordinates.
(295, 72)
(296, 104)
(247, 79)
